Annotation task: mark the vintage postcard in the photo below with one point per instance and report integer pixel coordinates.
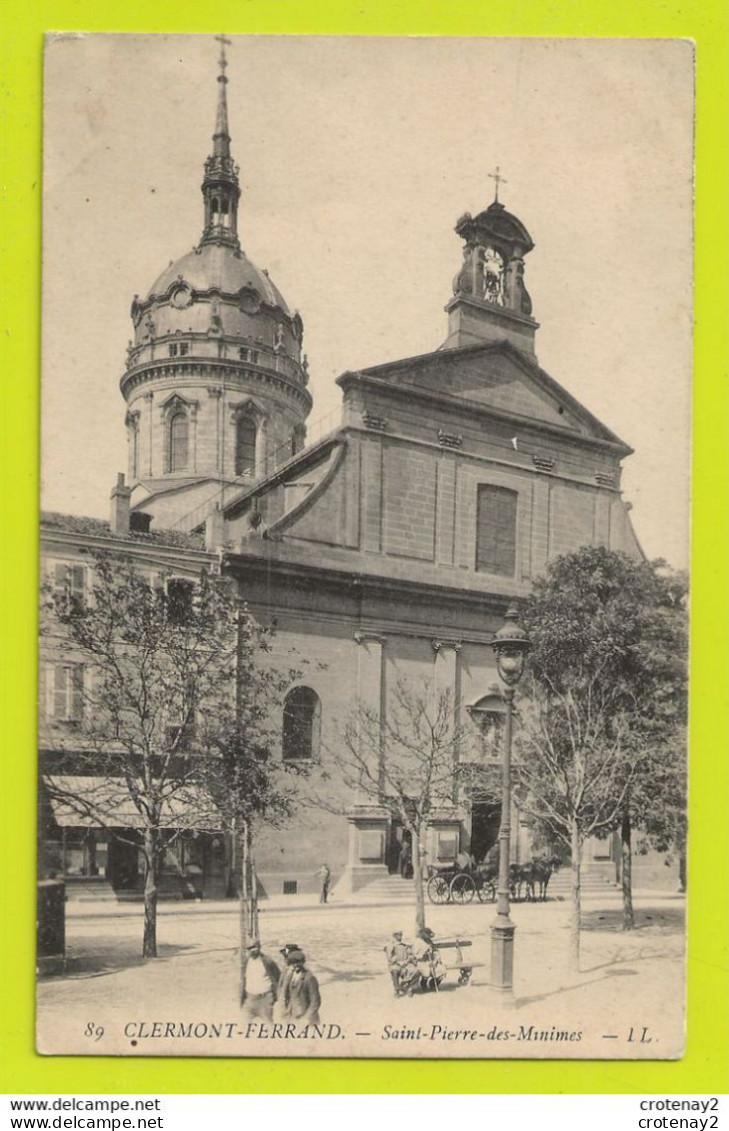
(365, 463)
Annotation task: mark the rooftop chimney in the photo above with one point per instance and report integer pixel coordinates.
(120, 506)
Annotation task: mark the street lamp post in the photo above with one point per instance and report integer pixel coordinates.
(511, 644)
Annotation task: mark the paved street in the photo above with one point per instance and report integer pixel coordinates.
(628, 981)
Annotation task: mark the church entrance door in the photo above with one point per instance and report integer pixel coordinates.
(485, 821)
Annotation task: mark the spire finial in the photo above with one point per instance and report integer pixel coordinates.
(221, 137)
(223, 44)
(499, 180)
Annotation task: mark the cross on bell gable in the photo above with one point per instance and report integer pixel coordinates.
(499, 180)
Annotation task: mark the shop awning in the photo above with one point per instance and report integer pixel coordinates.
(93, 802)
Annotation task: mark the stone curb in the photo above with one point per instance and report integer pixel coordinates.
(79, 910)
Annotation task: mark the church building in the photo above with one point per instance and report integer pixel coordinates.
(388, 550)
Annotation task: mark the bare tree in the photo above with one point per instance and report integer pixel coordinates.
(175, 732)
(574, 774)
(407, 762)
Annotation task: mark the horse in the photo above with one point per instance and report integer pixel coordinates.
(520, 877)
(541, 871)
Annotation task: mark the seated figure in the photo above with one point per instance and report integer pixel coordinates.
(403, 966)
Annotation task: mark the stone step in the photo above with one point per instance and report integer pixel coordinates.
(387, 889)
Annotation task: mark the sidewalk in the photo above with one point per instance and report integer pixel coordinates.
(307, 901)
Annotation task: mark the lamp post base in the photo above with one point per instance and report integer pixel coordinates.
(502, 955)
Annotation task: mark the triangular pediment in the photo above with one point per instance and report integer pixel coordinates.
(501, 378)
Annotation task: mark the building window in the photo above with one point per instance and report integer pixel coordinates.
(246, 354)
(245, 446)
(180, 594)
(301, 725)
(179, 737)
(184, 349)
(67, 576)
(179, 433)
(66, 692)
(496, 530)
(173, 350)
(69, 582)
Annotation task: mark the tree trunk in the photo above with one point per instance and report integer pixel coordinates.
(682, 871)
(418, 882)
(248, 899)
(230, 875)
(576, 917)
(151, 851)
(626, 871)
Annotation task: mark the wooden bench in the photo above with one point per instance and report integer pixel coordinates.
(457, 946)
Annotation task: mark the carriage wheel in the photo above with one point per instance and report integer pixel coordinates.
(487, 892)
(462, 888)
(438, 890)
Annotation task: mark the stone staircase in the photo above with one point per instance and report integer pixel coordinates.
(389, 889)
(394, 890)
(594, 878)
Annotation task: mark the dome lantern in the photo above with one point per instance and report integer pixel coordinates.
(220, 187)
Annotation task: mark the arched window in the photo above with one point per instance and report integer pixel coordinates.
(178, 441)
(301, 725)
(245, 446)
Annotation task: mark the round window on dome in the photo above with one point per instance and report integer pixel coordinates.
(249, 300)
(181, 296)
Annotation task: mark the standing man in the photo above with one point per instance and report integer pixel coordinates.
(260, 984)
(325, 876)
(300, 997)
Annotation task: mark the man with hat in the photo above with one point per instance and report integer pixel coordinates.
(401, 963)
(300, 998)
(260, 983)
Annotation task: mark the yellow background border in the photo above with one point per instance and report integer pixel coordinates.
(704, 1066)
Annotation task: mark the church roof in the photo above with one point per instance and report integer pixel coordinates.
(427, 375)
(496, 222)
(218, 267)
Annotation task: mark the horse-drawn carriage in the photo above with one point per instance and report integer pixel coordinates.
(452, 883)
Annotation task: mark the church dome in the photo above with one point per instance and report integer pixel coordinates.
(217, 267)
(215, 288)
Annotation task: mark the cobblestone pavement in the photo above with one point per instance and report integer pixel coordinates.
(628, 982)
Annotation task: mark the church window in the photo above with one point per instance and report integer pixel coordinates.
(179, 435)
(301, 725)
(134, 446)
(173, 350)
(184, 349)
(496, 530)
(248, 355)
(245, 446)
